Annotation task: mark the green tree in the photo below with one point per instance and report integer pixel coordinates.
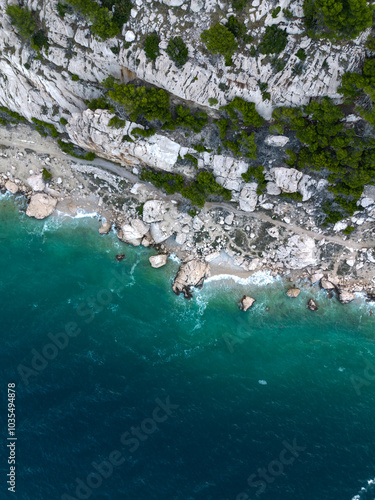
(177, 51)
(274, 40)
(23, 19)
(337, 18)
(219, 40)
(151, 46)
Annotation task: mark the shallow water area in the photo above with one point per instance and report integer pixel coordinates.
(243, 387)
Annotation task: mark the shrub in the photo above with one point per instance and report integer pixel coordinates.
(274, 40)
(171, 183)
(115, 50)
(151, 46)
(39, 40)
(278, 64)
(288, 14)
(191, 158)
(276, 12)
(236, 27)
(222, 126)
(297, 69)
(219, 40)
(338, 19)
(99, 103)
(116, 122)
(22, 19)
(70, 149)
(250, 116)
(46, 175)
(239, 4)
(177, 51)
(75, 78)
(143, 132)
(212, 101)
(90, 156)
(63, 121)
(253, 51)
(348, 230)
(27, 65)
(63, 8)
(370, 43)
(42, 126)
(301, 54)
(13, 114)
(148, 102)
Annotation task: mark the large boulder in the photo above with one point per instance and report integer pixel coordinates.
(153, 211)
(228, 170)
(248, 197)
(158, 260)
(286, 179)
(190, 274)
(276, 140)
(11, 187)
(345, 296)
(133, 233)
(307, 187)
(41, 206)
(326, 284)
(293, 292)
(161, 231)
(246, 302)
(312, 305)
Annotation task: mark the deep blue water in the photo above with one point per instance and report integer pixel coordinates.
(282, 398)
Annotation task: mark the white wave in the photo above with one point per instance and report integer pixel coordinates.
(262, 382)
(370, 482)
(258, 278)
(174, 258)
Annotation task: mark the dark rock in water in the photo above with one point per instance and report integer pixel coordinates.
(330, 295)
(267, 309)
(312, 305)
(120, 257)
(246, 302)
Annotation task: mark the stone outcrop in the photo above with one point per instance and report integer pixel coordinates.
(286, 179)
(105, 228)
(293, 292)
(190, 274)
(312, 305)
(227, 171)
(326, 284)
(157, 261)
(248, 197)
(41, 206)
(246, 302)
(276, 140)
(133, 233)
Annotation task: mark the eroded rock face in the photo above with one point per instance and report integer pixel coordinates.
(41, 206)
(190, 274)
(248, 197)
(157, 261)
(90, 130)
(246, 302)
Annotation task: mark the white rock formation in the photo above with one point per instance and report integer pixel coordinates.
(41, 206)
(133, 233)
(246, 302)
(157, 261)
(105, 228)
(153, 211)
(36, 182)
(227, 171)
(190, 274)
(299, 252)
(276, 140)
(248, 197)
(286, 179)
(11, 187)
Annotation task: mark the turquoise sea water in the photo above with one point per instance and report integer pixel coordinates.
(155, 397)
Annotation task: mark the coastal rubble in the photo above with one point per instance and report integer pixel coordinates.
(326, 284)
(293, 292)
(105, 228)
(190, 274)
(133, 233)
(345, 296)
(12, 187)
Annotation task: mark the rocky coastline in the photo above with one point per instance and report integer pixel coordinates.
(208, 242)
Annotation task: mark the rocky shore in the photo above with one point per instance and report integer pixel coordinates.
(218, 239)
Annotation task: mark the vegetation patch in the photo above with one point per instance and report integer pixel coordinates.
(177, 51)
(220, 40)
(274, 40)
(151, 46)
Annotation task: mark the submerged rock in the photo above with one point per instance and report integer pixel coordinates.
(105, 228)
(158, 260)
(190, 274)
(312, 305)
(246, 302)
(293, 292)
(41, 206)
(120, 257)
